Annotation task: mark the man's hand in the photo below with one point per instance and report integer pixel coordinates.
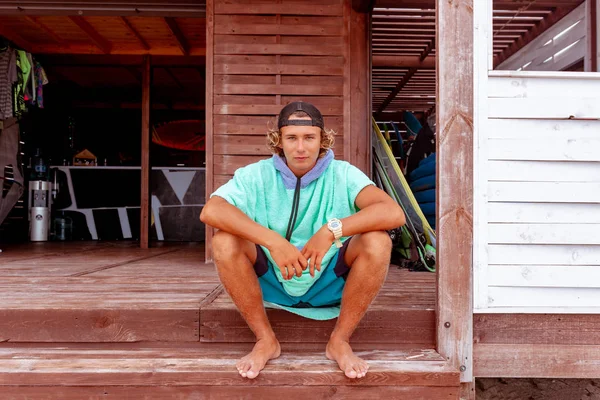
(288, 258)
(316, 248)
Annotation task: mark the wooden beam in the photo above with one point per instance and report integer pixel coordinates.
(145, 162)
(409, 74)
(37, 23)
(498, 4)
(404, 61)
(56, 75)
(96, 38)
(156, 105)
(593, 32)
(406, 78)
(454, 182)
(135, 33)
(174, 78)
(117, 60)
(15, 38)
(179, 36)
(363, 6)
(551, 329)
(510, 360)
(534, 32)
(135, 72)
(467, 391)
(183, 8)
(209, 90)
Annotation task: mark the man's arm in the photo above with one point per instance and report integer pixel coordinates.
(219, 214)
(378, 212)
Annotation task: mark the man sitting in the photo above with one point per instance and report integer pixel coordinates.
(305, 232)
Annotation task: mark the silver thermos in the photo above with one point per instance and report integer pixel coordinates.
(39, 210)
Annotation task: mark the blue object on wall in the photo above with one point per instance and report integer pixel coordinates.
(425, 183)
(426, 196)
(412, 123)
(422, 171)
(428, 208)
(430, 158)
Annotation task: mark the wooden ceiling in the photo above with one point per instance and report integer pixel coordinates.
(120, 31)
(107, 81)
(106, 35)
(403, 41)
(93, 50)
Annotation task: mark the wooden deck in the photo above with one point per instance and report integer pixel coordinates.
(158, 321)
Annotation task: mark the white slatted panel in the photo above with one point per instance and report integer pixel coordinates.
(537, 108)
(544, 85)
(544, 297)
(542, 171)
(543, 254)
(570, 233)
(542, 130)
(542, 192)
(564, 149)
(543, 213)
(545, 276)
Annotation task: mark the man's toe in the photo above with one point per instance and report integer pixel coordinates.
(251, 374)
(351, 373)
(243, 368)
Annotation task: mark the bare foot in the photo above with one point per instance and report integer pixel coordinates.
(341, 352)
(263, 351)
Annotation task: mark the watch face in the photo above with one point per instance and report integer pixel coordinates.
(334, 224)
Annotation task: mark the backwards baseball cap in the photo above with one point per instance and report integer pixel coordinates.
(316, 119)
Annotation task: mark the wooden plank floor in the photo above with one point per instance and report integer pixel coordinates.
(85, 370)
(116, 292)
(103, 292)
(105, 320)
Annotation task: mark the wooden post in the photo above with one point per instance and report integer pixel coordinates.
(359, 139)
(454, 38)
(592, 20)
(210, 23)
(145, 161)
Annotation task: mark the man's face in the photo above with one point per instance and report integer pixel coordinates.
(301, 145)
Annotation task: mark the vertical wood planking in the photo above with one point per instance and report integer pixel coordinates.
(594, 19)
(145, 161)
(454, 182)
(360, 92)
(347, 78)
(209, 79)
(261, 58)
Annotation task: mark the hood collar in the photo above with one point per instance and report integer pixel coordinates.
(289, 179)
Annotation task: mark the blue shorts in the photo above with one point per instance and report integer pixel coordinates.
(325, 292)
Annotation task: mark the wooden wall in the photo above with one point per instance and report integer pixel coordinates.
(264, 54)
(536, 345)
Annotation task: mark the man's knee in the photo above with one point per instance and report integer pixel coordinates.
(226, 246)
(377, 245)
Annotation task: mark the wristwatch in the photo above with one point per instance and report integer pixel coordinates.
(335, 226)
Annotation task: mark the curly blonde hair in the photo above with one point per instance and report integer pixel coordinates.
(274, 137)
